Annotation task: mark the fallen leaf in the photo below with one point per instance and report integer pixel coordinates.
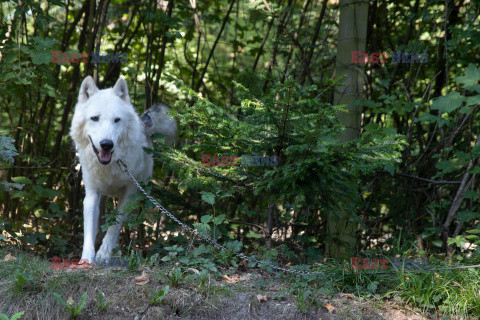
(246, 277)
(330, 307)
(141, 280)
(9, 257)
(194, 270)
(274, 287)
(347, 295)
(261, 298)
(231, 280)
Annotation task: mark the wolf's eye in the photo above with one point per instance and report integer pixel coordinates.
(117, 120)
(94, 118)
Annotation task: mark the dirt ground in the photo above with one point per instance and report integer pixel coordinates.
(239, 299)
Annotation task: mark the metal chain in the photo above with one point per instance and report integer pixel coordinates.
(241, 255)
(204, 237)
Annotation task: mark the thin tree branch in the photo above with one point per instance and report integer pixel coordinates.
(302, 19)
(306, 70)
(466, 183)
(424, 179)
(260, 50)
(199, 82)
(161, 60)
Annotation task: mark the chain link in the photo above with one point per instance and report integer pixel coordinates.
(204, 237)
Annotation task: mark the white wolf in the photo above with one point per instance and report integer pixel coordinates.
(106, 128)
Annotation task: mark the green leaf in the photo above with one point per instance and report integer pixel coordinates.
(471, 78)
(42, 180)
(437, 243)
(473, 100)
(165, 291)
(54, 207)
(372, 287)
(206, 218)
(202, 228)
(390, 168)
(20, 194)
(475, 170)
(254, 235)
(474, 231)
(429, 232)
(42, 57)
(445, 166)
(235, 246)
(9, 186)
(83, 300)
(448, 103)
(208, 198)
(42, 53)
(471, 194)
(427, 117)
(48, 90)
(466, 110)
(476, 151)
(458, 240)
(219, 220)
(466, 216)
(43, 43)
(7, 149)
(17, 315)
(22, 180)
(60, 299)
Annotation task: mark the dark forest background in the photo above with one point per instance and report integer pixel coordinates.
(255, 78)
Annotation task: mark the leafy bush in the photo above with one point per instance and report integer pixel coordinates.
(311, 176)
(69, 305)
(16, 316)
(7, 154)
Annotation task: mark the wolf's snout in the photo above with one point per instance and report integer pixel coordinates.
(106, 145)
(105, 153)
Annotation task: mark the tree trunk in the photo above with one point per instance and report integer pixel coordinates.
(352, 37)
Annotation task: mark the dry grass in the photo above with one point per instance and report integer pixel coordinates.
(216, 299)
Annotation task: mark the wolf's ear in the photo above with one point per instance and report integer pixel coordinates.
(87, 89)
(121, 90)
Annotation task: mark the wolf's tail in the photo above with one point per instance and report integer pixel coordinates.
(156, 120)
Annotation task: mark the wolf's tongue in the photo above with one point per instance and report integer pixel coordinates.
(105, 156)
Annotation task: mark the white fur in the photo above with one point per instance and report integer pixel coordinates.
(129, 138)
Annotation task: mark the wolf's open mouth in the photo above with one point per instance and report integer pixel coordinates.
(103, 156)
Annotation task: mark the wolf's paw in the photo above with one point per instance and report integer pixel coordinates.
(87, 259)
(88, 255)
(104, 254)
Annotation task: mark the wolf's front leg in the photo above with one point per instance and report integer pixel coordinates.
(91, 210)
(111, 237)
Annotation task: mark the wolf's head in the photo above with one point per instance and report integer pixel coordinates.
(103, 119)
